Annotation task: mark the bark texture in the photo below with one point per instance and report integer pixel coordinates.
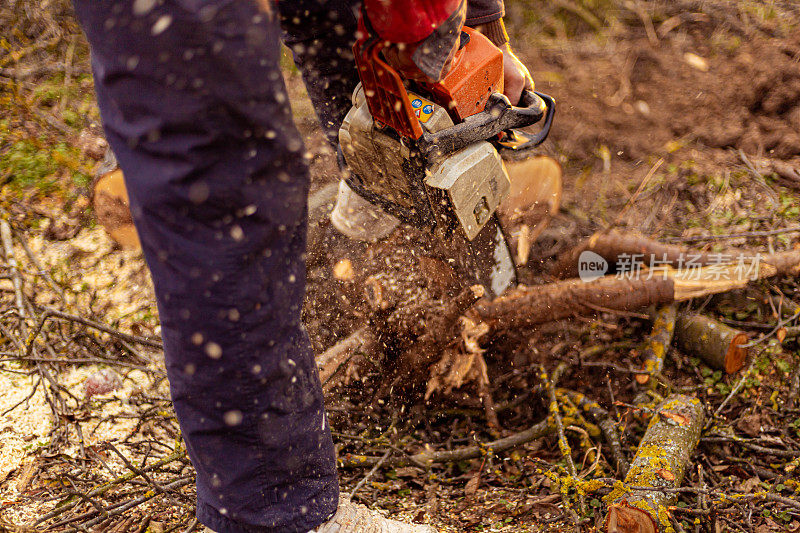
(525, 306)
(660, 463)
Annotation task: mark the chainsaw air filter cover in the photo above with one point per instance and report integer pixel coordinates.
(475, 182)
(386, 170)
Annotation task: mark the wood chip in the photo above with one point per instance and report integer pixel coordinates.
(343, 270)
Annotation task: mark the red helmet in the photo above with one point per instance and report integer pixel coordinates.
(408, 21)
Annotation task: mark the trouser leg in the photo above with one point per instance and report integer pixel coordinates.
(321, 34)
(195, 109)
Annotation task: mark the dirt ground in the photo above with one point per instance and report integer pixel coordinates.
(676, 119)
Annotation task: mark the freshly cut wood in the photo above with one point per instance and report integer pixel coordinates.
(637, 506)
(534, 198)
(525, 306)
(112, 208)
(614, 244)
(720, 346)
(657, 343)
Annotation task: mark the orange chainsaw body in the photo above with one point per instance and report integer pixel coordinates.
(476, 73)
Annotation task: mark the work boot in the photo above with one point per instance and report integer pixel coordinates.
(353, 518)
(359, 219)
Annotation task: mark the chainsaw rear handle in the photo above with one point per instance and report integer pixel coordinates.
(498, 116)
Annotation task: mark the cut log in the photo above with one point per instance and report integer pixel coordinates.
(638, 506)
(657, 344)
(526, 306)
(613, 244)
(720, 346)
(534, 198)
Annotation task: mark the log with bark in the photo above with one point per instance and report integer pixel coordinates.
(613, 244)
(718, 345)
(641, 504)
(526, 306)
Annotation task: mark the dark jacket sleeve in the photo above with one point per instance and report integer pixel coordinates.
(483, 11)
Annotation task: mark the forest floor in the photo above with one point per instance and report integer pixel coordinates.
(679, 120)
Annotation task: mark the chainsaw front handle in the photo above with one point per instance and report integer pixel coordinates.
(541, 135)
(498, 117)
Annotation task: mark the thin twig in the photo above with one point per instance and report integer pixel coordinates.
(370, 473)
(102, 327)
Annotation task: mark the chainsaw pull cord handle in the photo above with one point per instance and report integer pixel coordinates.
(497, 117)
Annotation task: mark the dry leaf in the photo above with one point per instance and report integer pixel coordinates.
(472, 485)
(750, 425)
(749, 484)
(675, 417)
(781, 334)
(666, 474)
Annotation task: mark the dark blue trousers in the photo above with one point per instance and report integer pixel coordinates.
(195, 108)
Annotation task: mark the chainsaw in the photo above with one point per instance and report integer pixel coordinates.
(429, 153)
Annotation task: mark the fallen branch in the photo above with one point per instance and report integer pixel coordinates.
(50, 312)
(526, 306)
(563, 444)
(613, 244)
(721, 347)
(657, 469)
(657, 344)
(72, 501)
(429, 457)
(607, 425)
